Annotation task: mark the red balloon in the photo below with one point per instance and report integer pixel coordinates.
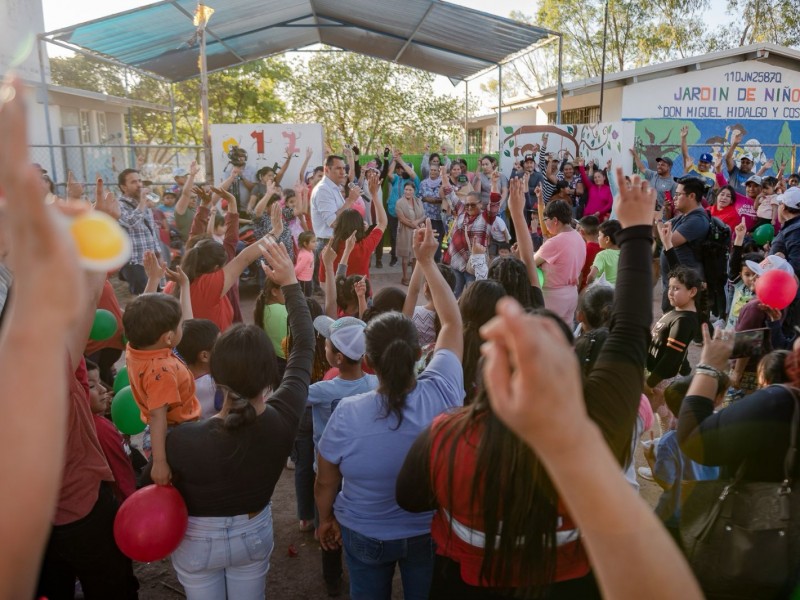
(776, 288)
(151, 523)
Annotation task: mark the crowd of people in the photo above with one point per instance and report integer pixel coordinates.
(481, 442)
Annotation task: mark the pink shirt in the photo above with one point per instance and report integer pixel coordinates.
(564, 255)
(304, 267)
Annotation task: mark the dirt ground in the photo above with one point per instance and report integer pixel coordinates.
(297, 575)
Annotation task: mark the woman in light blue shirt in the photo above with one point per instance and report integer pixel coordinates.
(366, 440)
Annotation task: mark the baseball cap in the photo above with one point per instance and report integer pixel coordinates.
(527, 157)
(790, 198)
(770, 263)
(665, 159)
(706, 158)
(346, 333)
(179, 172)
(753, 179)
(746, 156)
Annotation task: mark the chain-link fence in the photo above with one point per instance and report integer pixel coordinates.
(87, 162)
(769, 155)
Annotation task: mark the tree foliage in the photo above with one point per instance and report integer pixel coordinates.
(247, 93)
(371, 102)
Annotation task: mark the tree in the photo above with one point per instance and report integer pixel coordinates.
(773, 21)
(370, 102)
(246, 93)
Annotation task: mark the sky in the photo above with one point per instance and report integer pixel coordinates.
(58, 13)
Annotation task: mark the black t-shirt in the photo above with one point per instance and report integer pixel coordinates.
(222, 473)
(693, 226)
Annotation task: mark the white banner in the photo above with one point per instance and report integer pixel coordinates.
(267, 145)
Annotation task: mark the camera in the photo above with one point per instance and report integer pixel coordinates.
(237, 156)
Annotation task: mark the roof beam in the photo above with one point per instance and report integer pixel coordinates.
(208, 30)
(414, 33)
(403, 39)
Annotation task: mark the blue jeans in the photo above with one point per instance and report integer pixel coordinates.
(225, 557)
(371, 565)
(462, 280)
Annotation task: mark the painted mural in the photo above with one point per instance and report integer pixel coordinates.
(760, 100)
(599, 142)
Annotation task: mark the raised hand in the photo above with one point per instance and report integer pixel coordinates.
(194, 169)
(74, 189)
(360, 287)
(205, 199)
(516, 196)
(277, 264)
(736, 138)
(424, 243)
(178, 276)
(477, 248)
(665, 233)
(354, 194)
(276, 217)
(373, 183)
(154, 269)
(768, 163)
(684, 131)
(107, 202)
(637, 203)
(717, 349)
(350, 243)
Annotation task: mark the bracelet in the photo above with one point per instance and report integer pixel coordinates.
(703, 369)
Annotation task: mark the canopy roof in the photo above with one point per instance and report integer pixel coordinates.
(432, 35)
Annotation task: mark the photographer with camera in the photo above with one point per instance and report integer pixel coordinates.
(239, 178)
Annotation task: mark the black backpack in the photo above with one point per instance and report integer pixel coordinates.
(712, 253)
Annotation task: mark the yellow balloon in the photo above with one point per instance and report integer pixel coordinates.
(102, 244)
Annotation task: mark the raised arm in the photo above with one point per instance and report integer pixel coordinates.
(34, 335)
(637, 161)
(627, 545)
(302, 175)
(451, 335)
(374, 184)
(414, 287)
(186, 192)
(736, 139)
(687, 160)
(236, 267)
(327, 256)
(279, 175)
(231, 222)
(516, 206)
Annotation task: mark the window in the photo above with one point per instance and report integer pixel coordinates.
(576, 116)
(86, 132)
(102, 129)
(474, 141)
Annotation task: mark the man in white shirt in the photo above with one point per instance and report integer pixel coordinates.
(327, 203)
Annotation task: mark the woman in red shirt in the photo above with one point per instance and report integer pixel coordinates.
(349, 222)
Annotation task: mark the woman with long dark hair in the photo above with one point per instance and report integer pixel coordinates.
(367, 437)
(499, 527)
(226, 467)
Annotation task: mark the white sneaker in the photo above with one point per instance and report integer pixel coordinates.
(645, 473)
(289, 464)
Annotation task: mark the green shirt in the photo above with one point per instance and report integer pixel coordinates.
(184, 222)
(275, 321)
(606, 262)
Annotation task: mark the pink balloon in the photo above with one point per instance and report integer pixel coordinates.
(151, 523)
(776, 288)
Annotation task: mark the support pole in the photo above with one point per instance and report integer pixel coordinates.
(560, 88)
(603, 64)
(174, 123)
(204, 102)
(132, 152)
(499, 108)
(466, 117)
(46, 102)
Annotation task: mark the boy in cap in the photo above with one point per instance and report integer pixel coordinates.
(704, 169)
(738, 174)
(345, 345)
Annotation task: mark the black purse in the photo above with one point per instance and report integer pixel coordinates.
(742, 539)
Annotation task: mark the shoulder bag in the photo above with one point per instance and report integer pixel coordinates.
(742, 538)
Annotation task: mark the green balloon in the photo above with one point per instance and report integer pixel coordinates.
(541, 276)
(125, 412)
(104, 326)
(763, 234)
(121, 380)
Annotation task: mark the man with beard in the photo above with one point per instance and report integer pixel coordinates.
(137, 219)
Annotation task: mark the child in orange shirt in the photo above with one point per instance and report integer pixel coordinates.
(162, 385)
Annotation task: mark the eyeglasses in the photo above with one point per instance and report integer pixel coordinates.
(679, 194)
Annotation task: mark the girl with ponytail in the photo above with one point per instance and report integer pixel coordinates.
(226, 467)
(367, 437)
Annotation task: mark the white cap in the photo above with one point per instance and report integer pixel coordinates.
(770, 263)
(346, 333)
(791, 198)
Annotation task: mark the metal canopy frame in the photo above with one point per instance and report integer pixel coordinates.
(407, 33)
